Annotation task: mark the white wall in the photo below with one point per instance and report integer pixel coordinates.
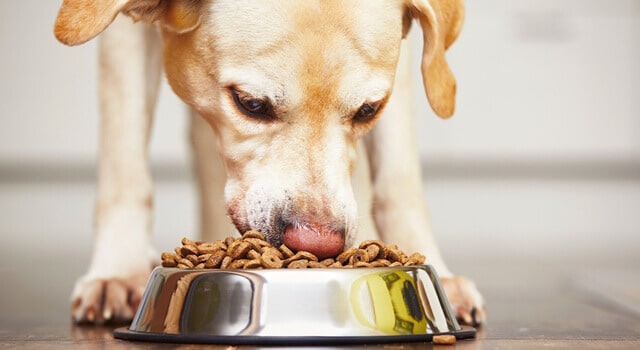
(543, 154)
(551, 79)
(49, 97)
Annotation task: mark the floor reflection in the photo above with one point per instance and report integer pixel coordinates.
(92, 333)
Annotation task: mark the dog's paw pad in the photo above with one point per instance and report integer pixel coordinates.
(101, 301)
(465, 299)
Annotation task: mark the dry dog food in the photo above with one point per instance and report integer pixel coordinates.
(252, 251)
(444, 339)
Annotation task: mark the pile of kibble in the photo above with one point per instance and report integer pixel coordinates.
(252, 251)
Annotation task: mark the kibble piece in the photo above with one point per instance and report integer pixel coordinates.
(239, 249)
(384, 253)
(370, 242)
(316, 265)
(253, 234)
(167, 256)
(238, 264)
(256, 243)
(415, 259)
(215, 260)
(298, 264)
(220, 245)
(444, 339)
(193, 258)
(225, 262)
(169, 263)
(380, 263)
(394, 255)
(207, 248)
(274, 251)
(188, 250)
(361, 264)
(381, 252)
(300, 256)
(252, 254)
(270, 260)
(203, 258)
(253, 264)
(229, 240)
(186, 262)
(344, 256)
(187, 241)
(286, 251)
(372, 252)
(360, 255)
(327, 262)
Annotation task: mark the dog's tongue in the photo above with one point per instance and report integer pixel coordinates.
(323, 243)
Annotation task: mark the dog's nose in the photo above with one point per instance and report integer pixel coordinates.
(322, 242)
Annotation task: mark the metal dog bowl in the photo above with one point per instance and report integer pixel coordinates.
(284, 306)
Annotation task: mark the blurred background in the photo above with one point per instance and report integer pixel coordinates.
(541, 161)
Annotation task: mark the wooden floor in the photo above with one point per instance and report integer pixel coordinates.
(575, 303)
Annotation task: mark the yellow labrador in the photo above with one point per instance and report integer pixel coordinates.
(289, 88)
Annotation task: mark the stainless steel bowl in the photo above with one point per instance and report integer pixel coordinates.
(283, 306)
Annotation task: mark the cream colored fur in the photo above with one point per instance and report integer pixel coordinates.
(318, 63)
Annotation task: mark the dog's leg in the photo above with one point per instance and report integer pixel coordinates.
(399, 207)
(129, 75)
(214, 221)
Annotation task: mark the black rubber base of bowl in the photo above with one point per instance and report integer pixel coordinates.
(126, 334)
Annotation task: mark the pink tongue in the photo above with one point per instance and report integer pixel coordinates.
(322, 243)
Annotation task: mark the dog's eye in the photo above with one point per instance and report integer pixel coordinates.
(366, 112)
(257, 108)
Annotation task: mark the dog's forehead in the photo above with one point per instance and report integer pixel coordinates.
(263, 24)
(314, 44)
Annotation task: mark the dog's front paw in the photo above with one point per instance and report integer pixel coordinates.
(465, 299)
(107, 300)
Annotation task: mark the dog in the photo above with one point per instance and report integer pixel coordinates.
(289, 88)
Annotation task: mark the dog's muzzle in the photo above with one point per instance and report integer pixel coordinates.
(321, 241)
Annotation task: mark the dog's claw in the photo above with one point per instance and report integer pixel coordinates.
(101, 301)
(91, 315)
(107, 313)
(465, 317)
(478, 316)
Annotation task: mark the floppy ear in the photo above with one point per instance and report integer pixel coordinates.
(441, 21)
(79, 21)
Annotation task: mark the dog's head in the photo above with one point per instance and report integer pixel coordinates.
(288, 87)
